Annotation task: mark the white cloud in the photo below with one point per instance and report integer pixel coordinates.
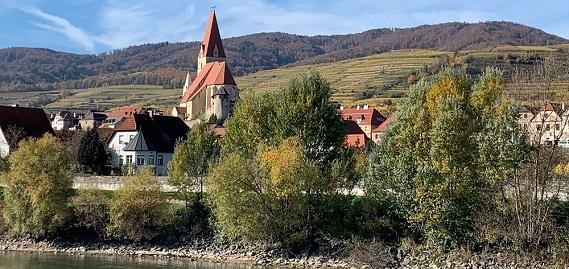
(125, 23)
(60, 25)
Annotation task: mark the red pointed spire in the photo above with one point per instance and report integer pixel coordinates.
(212, 39)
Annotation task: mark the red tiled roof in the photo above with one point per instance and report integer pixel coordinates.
(32, 121)
(128, 124)
(211, 39)
(369, 116)
(215, 73)
(124, 111)
(383, 127)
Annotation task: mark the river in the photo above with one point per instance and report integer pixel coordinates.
(36, 260)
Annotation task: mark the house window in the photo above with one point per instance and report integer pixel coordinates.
(128, 159)
(121, 139)
(121, 162)
(160, 160)
(538, 127)
(150, 159)
(140, 160)
(547, 127)
(557, 127)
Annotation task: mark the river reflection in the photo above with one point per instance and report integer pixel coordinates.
(34, 260)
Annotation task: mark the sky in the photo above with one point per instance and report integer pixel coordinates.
(94, 26)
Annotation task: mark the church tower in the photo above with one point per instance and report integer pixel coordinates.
(213, 92)
(211, 49)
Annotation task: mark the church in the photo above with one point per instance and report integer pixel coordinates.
(213, 91)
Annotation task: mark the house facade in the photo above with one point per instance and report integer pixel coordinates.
(548, 124)
(213, 91)
(146, 140)
(366, 117)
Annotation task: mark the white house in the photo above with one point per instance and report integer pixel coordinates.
(146, 140)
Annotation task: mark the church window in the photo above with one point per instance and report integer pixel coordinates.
(215, 51)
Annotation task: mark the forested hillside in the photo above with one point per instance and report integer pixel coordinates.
(165, 64)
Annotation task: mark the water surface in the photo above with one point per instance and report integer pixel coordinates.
(34, 260)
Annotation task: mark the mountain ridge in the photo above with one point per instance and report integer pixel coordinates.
(166, 63)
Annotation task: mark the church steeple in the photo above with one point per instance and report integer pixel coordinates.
(211, 47)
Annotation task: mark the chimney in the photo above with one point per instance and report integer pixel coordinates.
(366, 106)
(358, 107)
(341, 107)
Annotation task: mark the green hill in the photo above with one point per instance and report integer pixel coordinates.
(380, 80)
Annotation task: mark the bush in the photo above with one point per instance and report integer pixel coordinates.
(139, 210)
(91, 212)
(38, 188)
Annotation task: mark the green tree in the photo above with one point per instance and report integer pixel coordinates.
(262, 198)
(303, 108)
(138, 210)
(38, 187)
(278, 166)
(92, 154)
(430, 160)
(188, 170)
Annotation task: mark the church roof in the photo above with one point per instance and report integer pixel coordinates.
(214, 73)
(211, 39)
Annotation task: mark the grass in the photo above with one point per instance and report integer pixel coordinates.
(118, 96)
(383, 74)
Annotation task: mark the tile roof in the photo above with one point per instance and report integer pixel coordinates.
(159, 131)
(214, 73)
(124, 111)
(32, 121)
(211, 39)
(383, 127)
(367, 116)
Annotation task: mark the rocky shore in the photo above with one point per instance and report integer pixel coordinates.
(264, 255)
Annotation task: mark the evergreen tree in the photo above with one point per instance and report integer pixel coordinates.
(92, 154)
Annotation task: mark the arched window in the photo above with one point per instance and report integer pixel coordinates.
(215, 51)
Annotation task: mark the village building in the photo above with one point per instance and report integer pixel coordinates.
(64, 120)
(17, 123)
(379, 131)
(355, 136)
(93, 119)
(548, 124)
(213, 92)
(146, 140)
(366, 117)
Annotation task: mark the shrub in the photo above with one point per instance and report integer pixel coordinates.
(91, 211)
(139, 210)
(38, 188)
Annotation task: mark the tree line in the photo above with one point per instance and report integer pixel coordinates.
(454, 171)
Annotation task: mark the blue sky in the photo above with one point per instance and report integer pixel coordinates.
(92, 26)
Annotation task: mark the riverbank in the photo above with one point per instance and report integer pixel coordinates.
(266, 255)
(207, 251)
